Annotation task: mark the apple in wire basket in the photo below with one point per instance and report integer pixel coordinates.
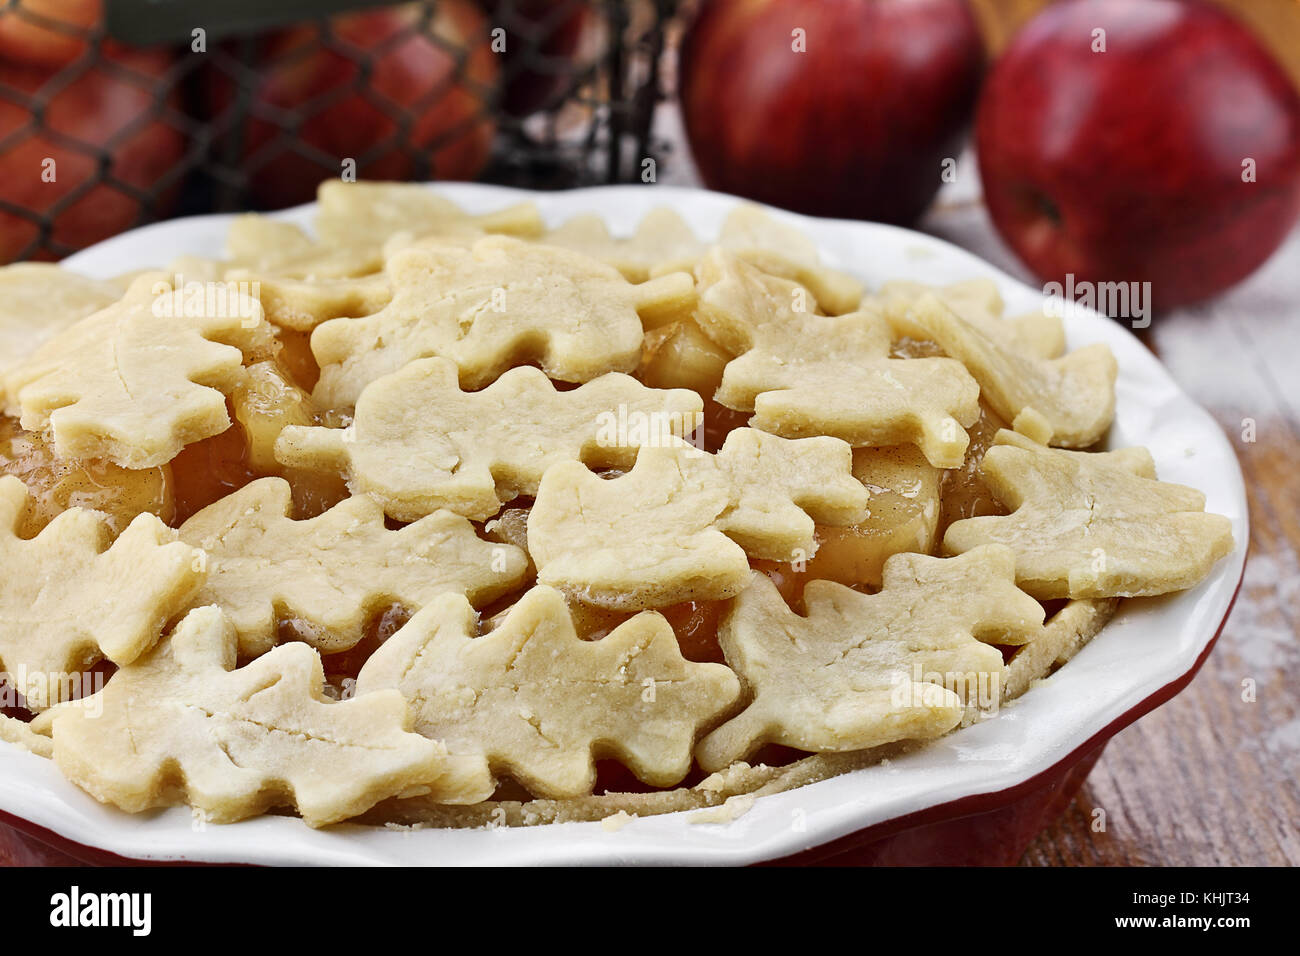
(846, 108)
(57, 129)
(541, 56)
(1125, 142)
(47, 32)
(404, 91)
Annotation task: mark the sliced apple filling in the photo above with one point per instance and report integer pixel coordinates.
(56, 484)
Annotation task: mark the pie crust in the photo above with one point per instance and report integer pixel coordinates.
(431, 519)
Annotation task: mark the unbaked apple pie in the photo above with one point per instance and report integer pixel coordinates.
(447, 519)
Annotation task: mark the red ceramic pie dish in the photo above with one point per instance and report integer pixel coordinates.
(977, 796)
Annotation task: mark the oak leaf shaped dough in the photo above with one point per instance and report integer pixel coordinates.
(860, 670)
(134, 384)
(68, 599)
(184, 725)
(306, 281)
(678, 526)
(303, 304)
(662, 236)
(354, 222)
(1092, 525)
(374, 211)
(978, 302)
(781, 250)
(38, 300)
(330, 573)
(805, 374)
(834, 376)
(533, 700)
(270, 247)
(418, 443)
(1074, 395)
(739, 303)
(499, 303)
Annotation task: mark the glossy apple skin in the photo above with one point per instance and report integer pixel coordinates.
(856, 127)
(1127, 165)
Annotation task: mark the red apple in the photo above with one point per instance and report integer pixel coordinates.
(1127, 165)
(47, 32)
(857, 126)
(105, 109)
(342, 112)
(542, 40)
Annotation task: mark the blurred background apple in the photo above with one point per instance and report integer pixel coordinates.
(1171, 157)
(413, 111)
(844, 108)
(105, 155)
(852, 108)
(48, 32)
(543, 38)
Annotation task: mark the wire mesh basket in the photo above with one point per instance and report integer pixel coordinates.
(117, 112)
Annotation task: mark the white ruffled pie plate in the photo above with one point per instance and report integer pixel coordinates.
(1144, 655)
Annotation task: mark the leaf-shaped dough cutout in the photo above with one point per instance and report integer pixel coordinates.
(331, 573)
(861, 670)
(136, 382)
(1074, 394)
(68, 599)
(662, 236)
(306, 281)
(739, 303)
(978, 301)
(496, 304)
(374, 211)
(778, 249)
(678, 526)
(419, 443)
(804, 374)
(14, 731)
(1093, 525)
(533, 700)
(303, 304)
(38, 300)
(267, 247)
(184, 725)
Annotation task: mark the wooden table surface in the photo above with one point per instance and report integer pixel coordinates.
(1211, 778)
